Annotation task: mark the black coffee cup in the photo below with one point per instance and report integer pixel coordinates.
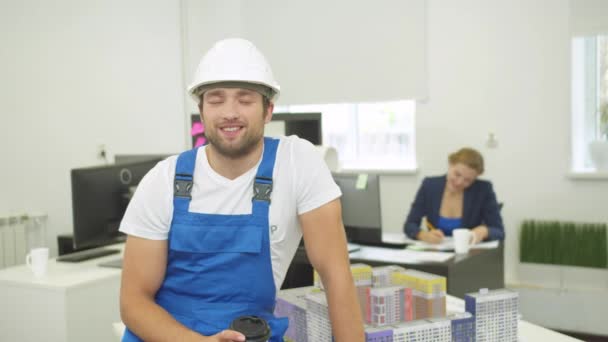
(254, 328)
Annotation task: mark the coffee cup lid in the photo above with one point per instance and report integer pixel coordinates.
(253, 327)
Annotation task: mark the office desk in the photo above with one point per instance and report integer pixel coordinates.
(79, 302)
(464, 273)
(527, 332)
(74, 302)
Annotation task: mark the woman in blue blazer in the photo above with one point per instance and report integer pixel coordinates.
(456, 200)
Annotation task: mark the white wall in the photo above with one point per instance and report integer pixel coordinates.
(502, 67)
(205, 23)
(76, 74)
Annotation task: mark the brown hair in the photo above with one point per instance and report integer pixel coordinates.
(469, 157)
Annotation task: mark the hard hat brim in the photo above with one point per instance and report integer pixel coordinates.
(194, 92)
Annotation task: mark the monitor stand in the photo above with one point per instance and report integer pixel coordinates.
(87, 254)
(117, 263)
(371, 236)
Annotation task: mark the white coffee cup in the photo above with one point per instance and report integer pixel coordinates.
(37, 260)
(463, 240)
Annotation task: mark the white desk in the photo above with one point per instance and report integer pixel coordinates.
(80, 302)
(74, 302)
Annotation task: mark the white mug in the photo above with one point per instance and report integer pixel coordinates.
(37, 260)
(463, 240)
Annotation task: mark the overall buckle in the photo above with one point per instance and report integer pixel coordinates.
(182, 188)
(262, 188)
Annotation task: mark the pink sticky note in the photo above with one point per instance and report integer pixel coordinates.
(200, 141)
(197, 128)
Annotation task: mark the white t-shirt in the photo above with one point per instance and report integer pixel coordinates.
(301, 182)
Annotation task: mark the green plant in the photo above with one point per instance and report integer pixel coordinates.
(564, 243)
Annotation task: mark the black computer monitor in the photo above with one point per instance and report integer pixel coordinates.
(136, 158)
(361, 212)
(304, 125)
(361, 209)
(100, 196)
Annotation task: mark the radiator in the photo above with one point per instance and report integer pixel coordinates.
(18, 232)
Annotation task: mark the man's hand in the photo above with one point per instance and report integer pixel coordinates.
(226, 336)
(434, 236)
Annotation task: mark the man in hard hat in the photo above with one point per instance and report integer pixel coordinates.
(211, 232)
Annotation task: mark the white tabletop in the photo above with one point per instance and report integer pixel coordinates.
(63, 275)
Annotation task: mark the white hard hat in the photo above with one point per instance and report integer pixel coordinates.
(233, 60)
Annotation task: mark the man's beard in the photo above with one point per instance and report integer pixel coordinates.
(236, 150)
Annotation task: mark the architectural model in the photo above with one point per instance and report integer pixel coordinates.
(400, 305)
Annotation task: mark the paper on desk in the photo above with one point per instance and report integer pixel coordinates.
(486, 245)
(448, 244)
(400, 255)
(396, 237)
(445, 245)
(353, 247)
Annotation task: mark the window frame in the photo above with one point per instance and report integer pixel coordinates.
(585, 105)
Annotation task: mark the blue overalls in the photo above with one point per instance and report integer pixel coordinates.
(219, 266)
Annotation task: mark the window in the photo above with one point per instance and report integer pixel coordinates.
(589, 97)
(367, 136)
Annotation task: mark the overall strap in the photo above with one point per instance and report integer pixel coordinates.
(182, 183)
(262, 188)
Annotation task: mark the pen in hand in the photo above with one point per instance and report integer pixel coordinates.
(433, 235)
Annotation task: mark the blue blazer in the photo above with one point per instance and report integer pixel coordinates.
(479, 207)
